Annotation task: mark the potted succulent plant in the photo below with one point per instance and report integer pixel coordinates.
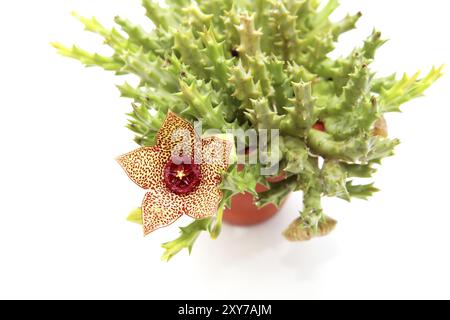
(239, 65)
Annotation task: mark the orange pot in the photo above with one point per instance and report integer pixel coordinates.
(244, 212)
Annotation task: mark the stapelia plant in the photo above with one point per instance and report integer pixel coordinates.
(261, 64)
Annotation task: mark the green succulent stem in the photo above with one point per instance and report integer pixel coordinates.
(216, 229)
(187, 238)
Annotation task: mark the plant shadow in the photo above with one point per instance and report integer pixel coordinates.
(264, 246)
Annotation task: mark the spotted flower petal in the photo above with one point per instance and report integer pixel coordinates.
(160, 208)
(177, 136)
(203, 201)
(144, 166)
(215, 155)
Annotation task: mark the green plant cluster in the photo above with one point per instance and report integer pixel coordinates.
(263, 64)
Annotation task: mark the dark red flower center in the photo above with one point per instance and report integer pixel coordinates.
(182, 175)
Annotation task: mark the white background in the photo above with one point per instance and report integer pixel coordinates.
(64, 200)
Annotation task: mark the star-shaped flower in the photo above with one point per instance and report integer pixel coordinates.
(181, 174)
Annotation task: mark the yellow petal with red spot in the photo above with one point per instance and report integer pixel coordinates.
(216, 154)
(160, 208)
(177, 136)
(203, 201)
(145, 166)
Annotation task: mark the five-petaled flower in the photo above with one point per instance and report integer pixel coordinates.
(181, 174)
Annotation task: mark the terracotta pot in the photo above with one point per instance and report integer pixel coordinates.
(244, 212)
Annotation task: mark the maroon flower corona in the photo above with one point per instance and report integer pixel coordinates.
(183, 176)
